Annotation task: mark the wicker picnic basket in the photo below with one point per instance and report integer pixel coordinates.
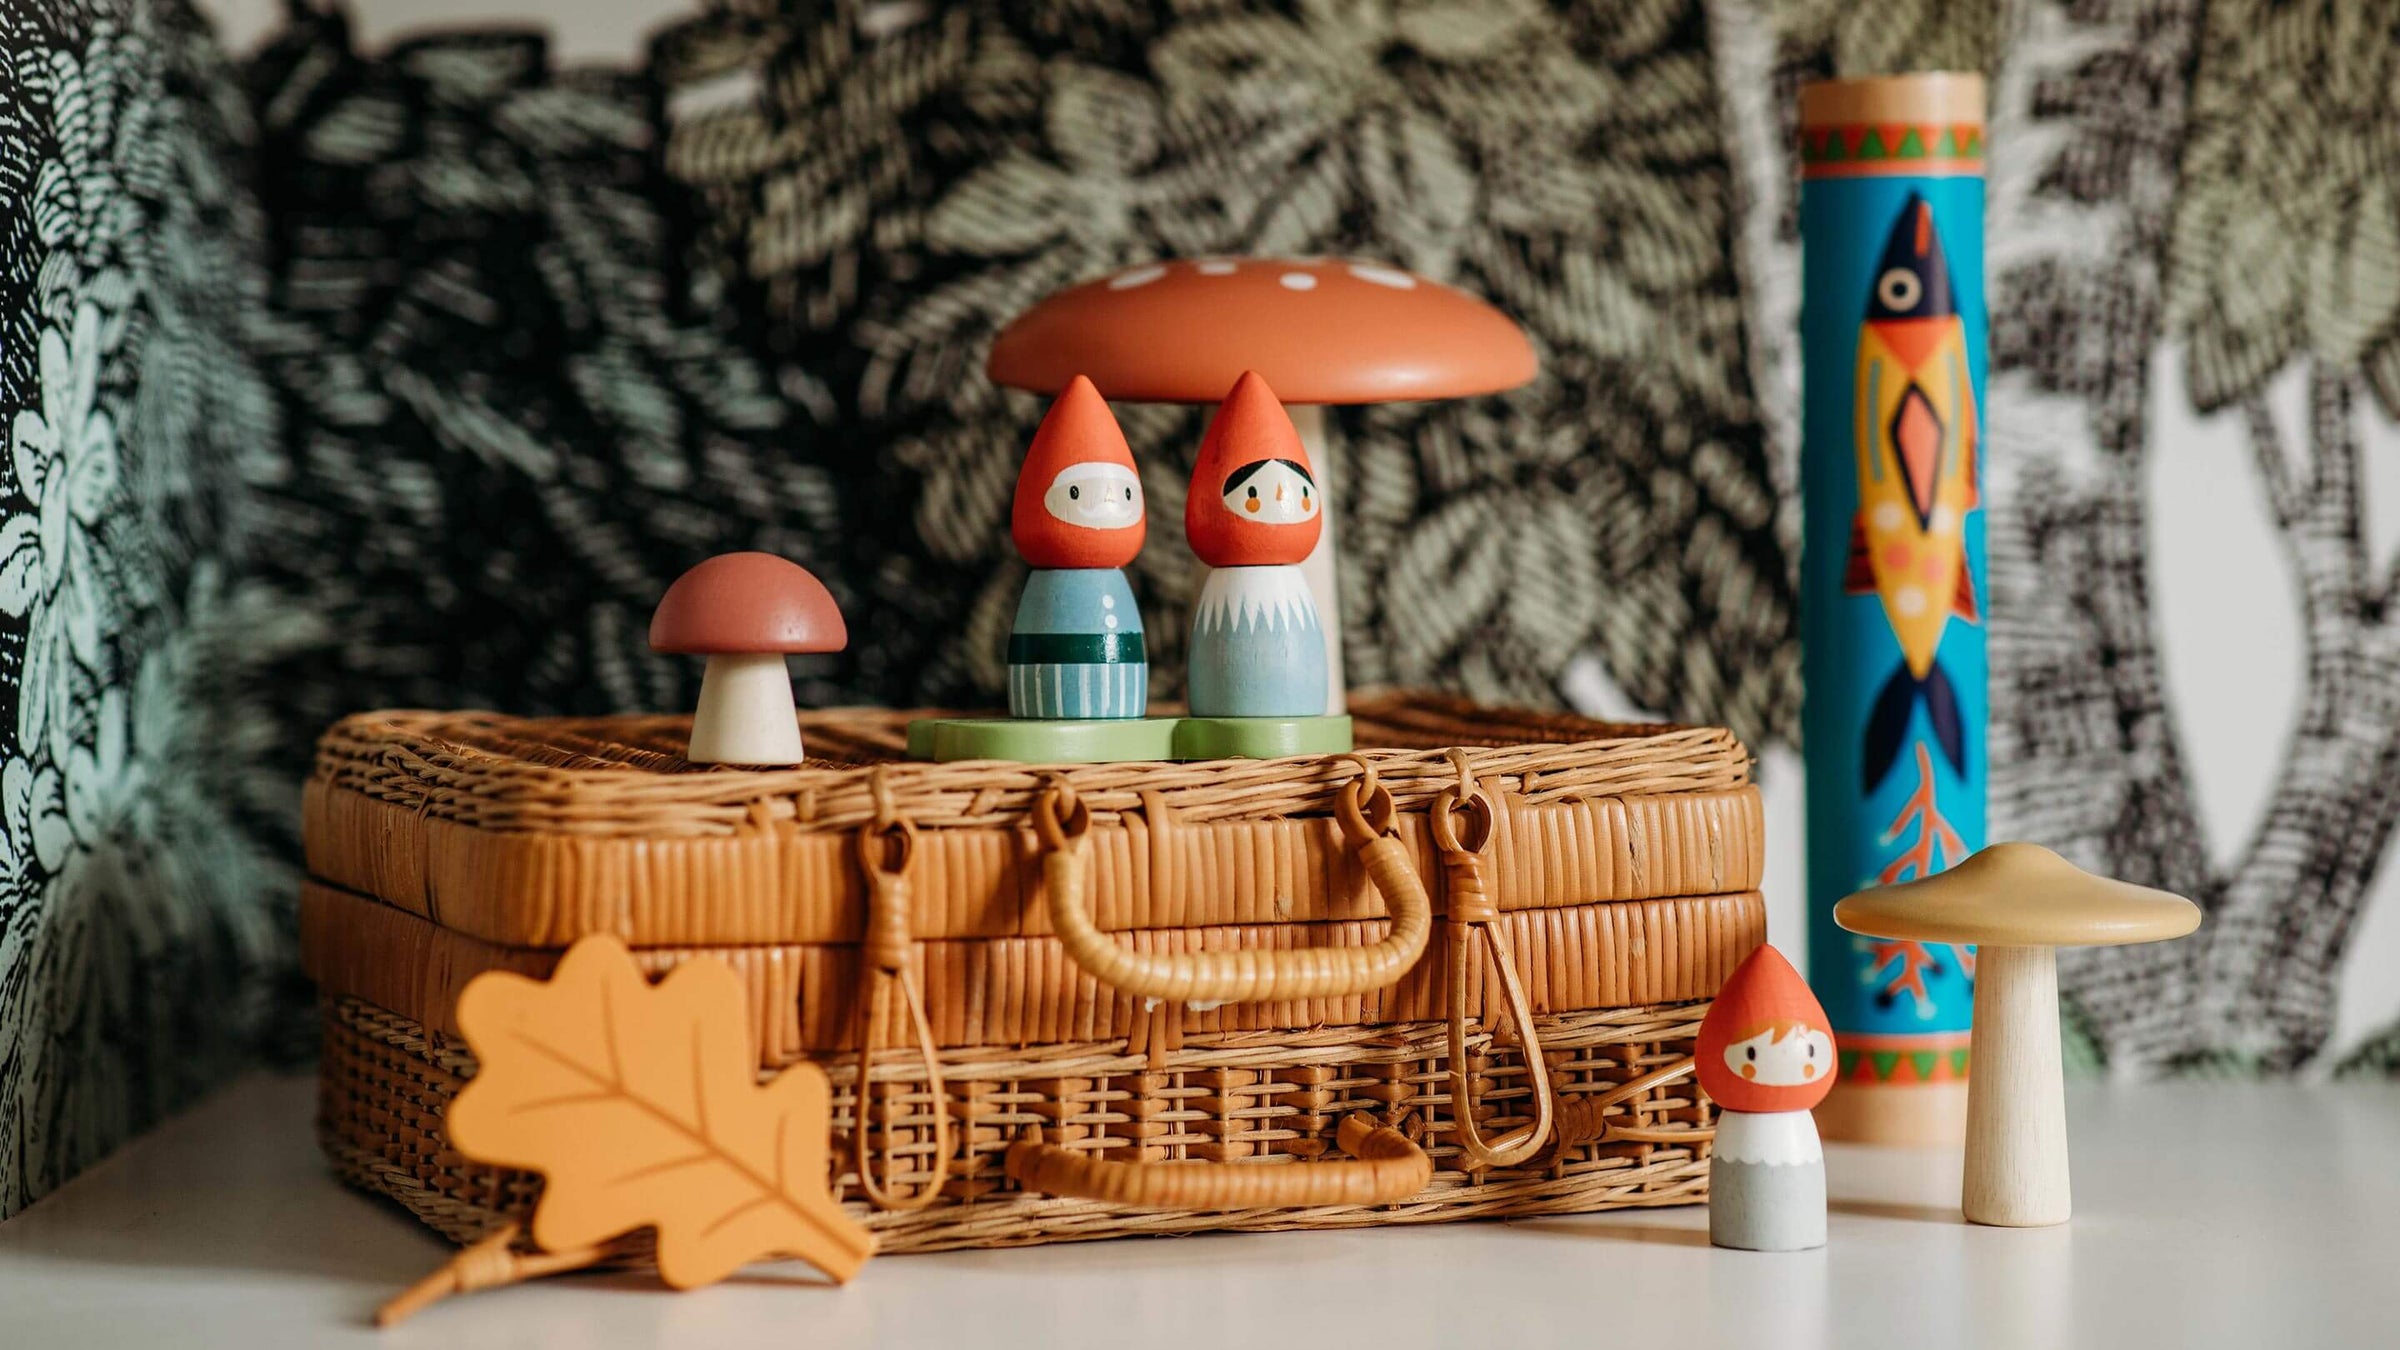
(1454, 974)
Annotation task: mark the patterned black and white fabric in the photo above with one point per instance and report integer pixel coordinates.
(145, 943)
(336, 375)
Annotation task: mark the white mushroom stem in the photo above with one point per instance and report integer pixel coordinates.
(746, 714)
(1321, 566)
(2016, 1162)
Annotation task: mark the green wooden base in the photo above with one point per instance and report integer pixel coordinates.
(1122, 740)
(1260, 737)
(1026, 740)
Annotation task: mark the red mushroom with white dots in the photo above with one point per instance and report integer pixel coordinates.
(1317, 331)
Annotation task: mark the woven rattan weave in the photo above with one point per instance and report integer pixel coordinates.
(1266, 1099)
(1097, 980)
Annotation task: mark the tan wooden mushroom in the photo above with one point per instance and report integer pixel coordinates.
(2018, 903)
(745, 612)
(1317, 330)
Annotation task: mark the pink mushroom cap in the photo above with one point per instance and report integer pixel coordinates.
(747, 603)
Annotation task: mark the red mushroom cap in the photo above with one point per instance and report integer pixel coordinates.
(1320, 331)
(745, 603)
(1252, 455)
(1050, 518)
(1765, 1044)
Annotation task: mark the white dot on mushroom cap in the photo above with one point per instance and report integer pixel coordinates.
(1140, 276)
(1108, 620)
(1216, 268)
(1108, 602)
(1298, 281)
(1383, 276)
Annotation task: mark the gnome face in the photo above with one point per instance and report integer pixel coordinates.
(1099, 496)
(1791, 1055)
(1254, 499)
(1273, 492)
(1765, 1044)
(1079, 500)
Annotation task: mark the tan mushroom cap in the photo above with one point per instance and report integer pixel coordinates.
(1321, 330)
(2018, 895)
(747, 603)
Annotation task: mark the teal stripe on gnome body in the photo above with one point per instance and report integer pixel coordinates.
(1077, 651)
(1033, 649)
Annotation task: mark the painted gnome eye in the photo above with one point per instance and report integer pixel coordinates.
(1899, 288)
(1271, 492)
(1114, 502)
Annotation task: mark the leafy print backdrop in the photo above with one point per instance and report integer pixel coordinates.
(335, 377)
(144, 927)
(510, 422)
(1517, 149)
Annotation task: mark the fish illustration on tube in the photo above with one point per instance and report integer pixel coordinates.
(1892, 596)
(1916, 433)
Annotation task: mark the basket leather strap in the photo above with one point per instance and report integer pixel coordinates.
(1366, 813)
(1384, 1167)
(885, 851)
(1470, 911)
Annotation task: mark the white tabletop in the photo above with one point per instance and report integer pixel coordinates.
(2260, 1217)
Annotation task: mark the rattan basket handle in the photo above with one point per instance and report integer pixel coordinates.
(1470, 914)
(889, 971)
(1240, 976)
(1384, 1168)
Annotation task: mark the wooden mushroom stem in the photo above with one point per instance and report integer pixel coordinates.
(2016, 1158)
(1322, 566)
(746, 714)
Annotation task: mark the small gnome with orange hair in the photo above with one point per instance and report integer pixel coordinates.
(1076, 649)
(1765, 1054)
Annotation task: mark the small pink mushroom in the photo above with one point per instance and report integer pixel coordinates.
(745, 612)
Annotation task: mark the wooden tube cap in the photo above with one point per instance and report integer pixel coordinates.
(1940, 96)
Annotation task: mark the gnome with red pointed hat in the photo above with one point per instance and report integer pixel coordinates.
(1254, 512)
(1765, 1053)
(1076, 650)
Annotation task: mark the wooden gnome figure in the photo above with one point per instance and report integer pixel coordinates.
(1076, 650)
(1254, 513)
(1765, 1054)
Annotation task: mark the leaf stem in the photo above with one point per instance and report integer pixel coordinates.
(487, 1263)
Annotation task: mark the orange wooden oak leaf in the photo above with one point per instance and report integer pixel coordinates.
(640, 1105)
